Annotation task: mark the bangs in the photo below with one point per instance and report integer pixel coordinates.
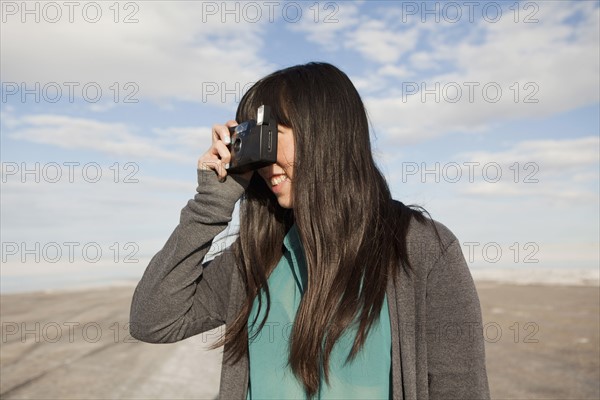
(270, 91)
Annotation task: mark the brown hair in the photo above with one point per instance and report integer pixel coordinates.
(353, 233)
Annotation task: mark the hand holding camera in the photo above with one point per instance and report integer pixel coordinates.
(242, 148)
(218, 156)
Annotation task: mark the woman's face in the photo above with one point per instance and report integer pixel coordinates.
(279, 176)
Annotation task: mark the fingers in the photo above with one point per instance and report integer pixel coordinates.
(222, 152)
(210, 160)
(221, 132)
(231, 123)
(218, 156)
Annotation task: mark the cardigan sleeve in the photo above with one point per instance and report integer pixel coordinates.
(455, 344)
(177, 296)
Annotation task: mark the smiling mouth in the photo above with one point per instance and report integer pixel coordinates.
(278, 179)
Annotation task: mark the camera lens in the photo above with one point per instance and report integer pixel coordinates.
(237, 144)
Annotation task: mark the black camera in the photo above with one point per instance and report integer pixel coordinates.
(254, 142)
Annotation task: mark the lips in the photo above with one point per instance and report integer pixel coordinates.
(278, 179)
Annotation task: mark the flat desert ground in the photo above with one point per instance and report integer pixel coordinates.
(542, 342)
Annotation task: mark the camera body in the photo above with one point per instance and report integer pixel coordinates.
(254, 142)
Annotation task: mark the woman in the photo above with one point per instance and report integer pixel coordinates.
(332, 289)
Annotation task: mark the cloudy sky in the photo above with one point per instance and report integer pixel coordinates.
(485, 113)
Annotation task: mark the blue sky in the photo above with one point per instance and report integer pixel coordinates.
(440, 82)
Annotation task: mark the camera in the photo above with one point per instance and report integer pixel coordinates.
(254, 142)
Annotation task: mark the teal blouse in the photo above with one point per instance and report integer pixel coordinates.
(366, 377)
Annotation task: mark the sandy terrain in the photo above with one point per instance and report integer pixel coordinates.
(542, 342)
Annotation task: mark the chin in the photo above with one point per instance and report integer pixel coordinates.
(285, 203)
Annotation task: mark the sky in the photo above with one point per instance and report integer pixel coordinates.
(485, 113)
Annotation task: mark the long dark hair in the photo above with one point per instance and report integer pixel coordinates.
(353, 233)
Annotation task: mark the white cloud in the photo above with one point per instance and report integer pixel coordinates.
(394, 71)
(190, 137)
(554, 193)
(119, 218)
(376, 42)
(351, 28)
(90, 206)
(541, 69)
(563, 172)
(174, 144)
(80, 133)
(328, 26)
(529, 180)
(82, 229)
(171, 53)
(102, 107)
(552, 154)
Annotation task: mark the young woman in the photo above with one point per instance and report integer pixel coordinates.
(333, 289)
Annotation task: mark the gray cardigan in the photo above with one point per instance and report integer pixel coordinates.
(437, 336)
